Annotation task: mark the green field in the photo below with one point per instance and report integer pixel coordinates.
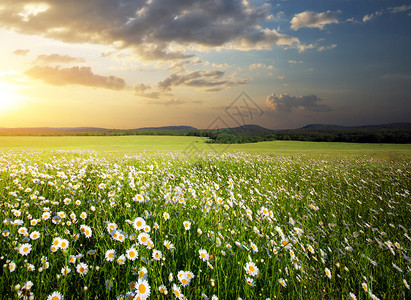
(135, 218)
(135, 144)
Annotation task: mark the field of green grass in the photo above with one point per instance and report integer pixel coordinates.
(136, 144)
(136, 218)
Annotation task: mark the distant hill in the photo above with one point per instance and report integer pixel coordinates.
(168, 128)
(384, 133)
(94, 131)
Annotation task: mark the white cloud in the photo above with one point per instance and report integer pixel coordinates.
(329, 47)
(313, 19)
(261, 66)
(75, 75)
(372, 16)
(399, 9)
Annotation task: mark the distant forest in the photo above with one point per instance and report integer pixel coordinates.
(399, 133)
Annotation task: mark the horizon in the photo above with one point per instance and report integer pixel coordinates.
(160, 127)
(133, 64)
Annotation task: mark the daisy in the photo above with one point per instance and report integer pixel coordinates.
(83, 215)
(254, 248)
(328, 273)
(250, 281)
(22, 230)
(12, 266)
(31, 267)
(82, 268)
(190, 275)
(111, 227)
(364, 286)
(25, 249)
(63, 244)
(182, 277)
(55, 296)
(139, 223)
(251, 268)
(311, 249)
(163, 289)
(203, 254)
(168, 245)
(187, 225)
(282, 282)
(110, 255)
(157, 255)
(285, 243)
(65, 270)
(352, 296)
(143, 238)
(143, 288)
(34, 235)
(88, 232)
(147, 229)
(166, 216)
(170, 277)
(72, 259)
(177, 292)
(121, 260)
(142, 273)
(56, 243)
(132, 254)
(138, 198)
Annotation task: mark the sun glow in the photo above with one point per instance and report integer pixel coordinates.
(9, 99)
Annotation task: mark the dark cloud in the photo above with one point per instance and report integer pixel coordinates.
(155, 29)
(75, 75)
(22, 52)
(140, 87)
(210, 80)
(144, 90)
(287, 103)
(57, 58)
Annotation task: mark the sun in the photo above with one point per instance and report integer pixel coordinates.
(9, 99)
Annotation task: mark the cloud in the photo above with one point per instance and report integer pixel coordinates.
(169, 102)
(294, 62)
(329, 47)
(141, 90)
(313, 19)
(211, 80)
(399, 9)
(372, 16)
(141, 87)
(287, 103)
(57, 58)
(22, 52)
(75, 75)
(154, 29)
(261, 66)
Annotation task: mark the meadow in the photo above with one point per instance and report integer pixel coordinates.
(170, 217)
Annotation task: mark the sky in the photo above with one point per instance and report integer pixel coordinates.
(204, 63)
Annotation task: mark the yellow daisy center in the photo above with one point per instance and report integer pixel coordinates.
(142, 288)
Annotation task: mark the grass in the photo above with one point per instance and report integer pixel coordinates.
(135, 144)
(294, 221)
